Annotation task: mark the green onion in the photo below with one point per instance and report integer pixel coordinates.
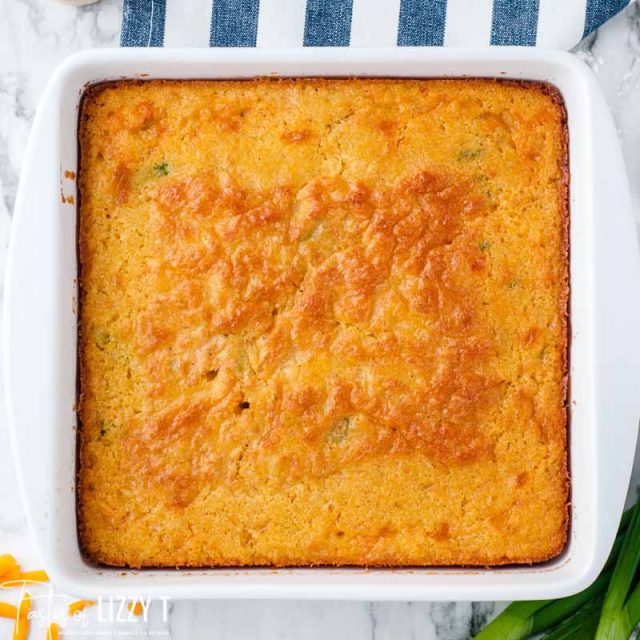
(527, 618)
(558, 610)
(632, 608)
(615, 622)
(521, 619)
(581, 625)
(161, 169)
(469, 154)
(514, 623)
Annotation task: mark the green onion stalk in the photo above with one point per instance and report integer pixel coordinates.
(621, 611)
(581, 625)
(573, 614)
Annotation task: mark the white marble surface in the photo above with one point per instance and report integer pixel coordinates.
(34, 36)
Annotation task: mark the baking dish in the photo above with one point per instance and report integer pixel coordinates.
(40, 329)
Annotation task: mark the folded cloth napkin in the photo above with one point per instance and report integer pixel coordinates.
(362, 23)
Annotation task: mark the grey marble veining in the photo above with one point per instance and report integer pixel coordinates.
(613, 53)
(37, 34)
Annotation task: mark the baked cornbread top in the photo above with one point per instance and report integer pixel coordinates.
(291, 286)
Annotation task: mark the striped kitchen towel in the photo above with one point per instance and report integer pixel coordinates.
(362, 23)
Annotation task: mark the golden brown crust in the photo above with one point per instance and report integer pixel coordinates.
(323, 322)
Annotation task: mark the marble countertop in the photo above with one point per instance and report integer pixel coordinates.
(35, 35)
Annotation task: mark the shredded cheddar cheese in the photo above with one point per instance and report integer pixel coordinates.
(25, 606)
(135, 608)
(10, 577)
(9, 568)
(8, 611)
(80, 605)
(33, 576)
(21, 627)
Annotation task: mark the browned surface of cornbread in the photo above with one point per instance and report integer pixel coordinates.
(323, 322)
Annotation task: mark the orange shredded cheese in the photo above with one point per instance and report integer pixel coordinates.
(11, 575)
(21, 627)
(53, 632)
(8, 611)
(33, 576)
(9, 568)
(25, 606)
(80, 605)
(135, 608)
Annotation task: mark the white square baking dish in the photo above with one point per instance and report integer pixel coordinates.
(41, 314)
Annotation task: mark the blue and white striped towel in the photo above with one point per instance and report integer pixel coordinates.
(362, 23)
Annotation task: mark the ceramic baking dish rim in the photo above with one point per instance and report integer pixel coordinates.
(41, 305)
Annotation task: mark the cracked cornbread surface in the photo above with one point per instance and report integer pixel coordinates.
(322, 322)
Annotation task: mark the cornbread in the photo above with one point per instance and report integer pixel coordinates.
(322, 322)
